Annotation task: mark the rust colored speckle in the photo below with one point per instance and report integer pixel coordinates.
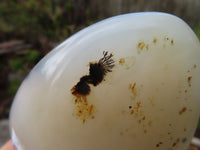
(137, 107)
(141, 45)
(150, 123)
(158, 144)
(182, 110)
(151, 100)
(84, 110)
(138, 104)
(121, 61)
(195, 66)
(121, 133)
(147, 47)
(189, 80)
(132, 88)
(155, 40)
(90, 110)
(132, 111)
(172, 42)
(145, 131)
(176, 142)
(127, 62)
(135, 110)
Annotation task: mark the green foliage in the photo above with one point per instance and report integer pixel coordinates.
(199, 124)
(32, 21)
(32, 56)
(87, 12)
(13, 87)
(49, 18)
(21, 63)
(16, 64)
(197, 31)
(68, 6)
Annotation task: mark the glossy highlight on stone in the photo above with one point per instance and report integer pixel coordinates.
(127, 82)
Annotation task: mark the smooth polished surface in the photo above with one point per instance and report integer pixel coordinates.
(148, 100)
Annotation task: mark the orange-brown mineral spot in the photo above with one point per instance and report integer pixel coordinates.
(145, 131)
(132, 88)
(132, 111)
(189, 80)
(83, 110)
(121, 61)
(172, 42)
(182, 110)
(127, 62)
(138, 106)
(147, 47)
(140, 47)
(159, 144)
(155, 40)
(150, 123)
(176, 142)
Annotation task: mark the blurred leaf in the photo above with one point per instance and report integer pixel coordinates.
(197, 31)
(87, 12)
(32, 56)
(32, 4)
(32, 19)
(68, 6)
(199, 124)
(16, 64)
(13, 87)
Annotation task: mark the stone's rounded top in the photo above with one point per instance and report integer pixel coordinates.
(128, 82)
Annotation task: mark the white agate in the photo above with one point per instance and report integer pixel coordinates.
(150, 100)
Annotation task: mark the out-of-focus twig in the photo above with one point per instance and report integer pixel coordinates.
(13, 46)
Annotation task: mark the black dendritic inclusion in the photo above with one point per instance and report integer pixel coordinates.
(96, 75)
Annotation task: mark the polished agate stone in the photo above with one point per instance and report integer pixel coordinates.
(130, 82)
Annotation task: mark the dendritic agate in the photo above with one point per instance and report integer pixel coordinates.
(128, 82)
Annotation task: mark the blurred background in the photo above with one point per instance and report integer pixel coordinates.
(30, 29)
